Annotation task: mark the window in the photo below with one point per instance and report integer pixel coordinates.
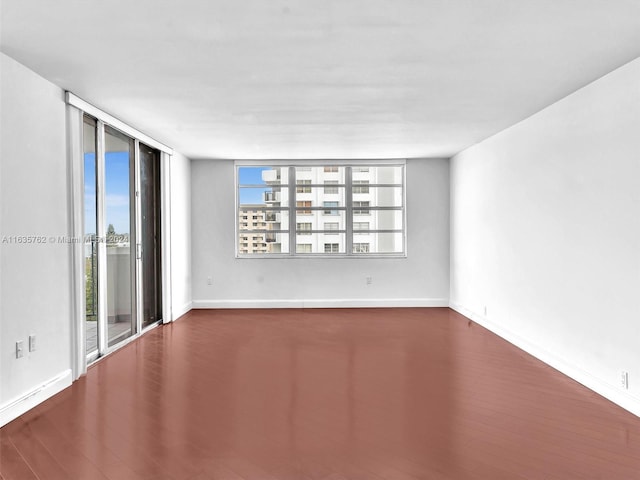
(303, 228)
(330, 204)
(338, 210)
(331, 247)
(358, 208)
(303, 248)
(329, 189)
(300, 208)
(361, 186)
(358, 226)
(360, 248)
(331, 228)
(301, 188)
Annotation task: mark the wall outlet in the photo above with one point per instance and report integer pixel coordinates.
(624, 379)
(19, 350)
(209, 280)
(32, 343)
(369, 280)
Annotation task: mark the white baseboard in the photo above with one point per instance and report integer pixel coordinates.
(619, 397)
(324, 303)
(178, 312)
(14, 408)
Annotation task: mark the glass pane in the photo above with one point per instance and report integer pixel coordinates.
(320, 243)
(379, 243)
(263, 175)
(386, 174)
(261, 243)
(319, 175)
(319, 217)
(258, 219)
(118, 168)
(378, 220)
(90, 244)
(266, 196)
(381, 196)
(151, 235)
(318, 195)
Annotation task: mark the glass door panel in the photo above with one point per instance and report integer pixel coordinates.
(120, 267)
(150, 235)
(90, 243)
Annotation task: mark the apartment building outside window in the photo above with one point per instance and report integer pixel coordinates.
(336, 209)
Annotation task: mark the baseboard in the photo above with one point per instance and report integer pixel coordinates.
(324, 303)
(14, 408)
(178, 312)
(621, 398)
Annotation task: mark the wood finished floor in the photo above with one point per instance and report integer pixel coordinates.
(376, 394)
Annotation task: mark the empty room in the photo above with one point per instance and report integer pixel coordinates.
(320, 240)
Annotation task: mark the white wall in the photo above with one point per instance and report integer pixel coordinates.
(180, 235)
(35, 278)
(545, 228)
(420, 279)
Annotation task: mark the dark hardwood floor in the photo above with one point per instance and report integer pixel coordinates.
(379, 394)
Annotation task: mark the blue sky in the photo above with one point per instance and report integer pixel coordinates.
(252, 176)
(117, 191)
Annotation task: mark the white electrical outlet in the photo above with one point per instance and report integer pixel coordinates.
(624, 379)
(209, 281)
(32, 343)
(369, 280)
(19, 350)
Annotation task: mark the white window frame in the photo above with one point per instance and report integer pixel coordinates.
(330, 166)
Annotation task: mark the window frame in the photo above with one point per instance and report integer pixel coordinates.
(348, 210)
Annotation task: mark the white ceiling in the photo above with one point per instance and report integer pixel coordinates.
(321, 78)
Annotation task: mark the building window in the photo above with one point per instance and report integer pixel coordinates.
(331, 247)
(331, 228)
(360, 226)
(359, 208)
(360, 248)
(302, 186)
(330, 204)
(361, 186)
(301, 207)
(303, 248)
(287, 204)
(329, 189)
(304, 228)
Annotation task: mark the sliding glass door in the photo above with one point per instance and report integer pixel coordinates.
(119, 199)
(123, 287)
(150, 241)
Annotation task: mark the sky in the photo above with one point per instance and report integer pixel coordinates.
(252, 176)
(116, 189)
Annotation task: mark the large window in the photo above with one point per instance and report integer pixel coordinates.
(336, 210)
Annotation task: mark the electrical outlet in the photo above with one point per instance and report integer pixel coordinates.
(32, 343)
(19, 350)
(624, 379)
(209, 281)
(369, 280)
